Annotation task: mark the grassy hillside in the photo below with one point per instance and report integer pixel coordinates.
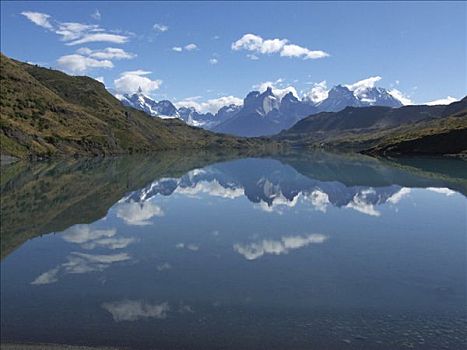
(47, 113)
(383, 130)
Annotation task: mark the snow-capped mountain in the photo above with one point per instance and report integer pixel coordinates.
(166, 109)
(340, 97)
(192, 117)
(263, 113)
(162, 109)
(270, 184)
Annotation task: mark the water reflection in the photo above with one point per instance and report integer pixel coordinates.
(256, 250)
(285, 251)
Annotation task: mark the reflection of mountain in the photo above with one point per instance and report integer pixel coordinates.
(357, 182)
(267, 182)
(39, 198)
(50, 197)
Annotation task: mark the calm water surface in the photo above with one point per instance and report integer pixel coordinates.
(304, 251)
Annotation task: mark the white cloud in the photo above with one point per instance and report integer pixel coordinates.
(212, 105)
(250, 42)
(133, 310)
(79, 64)
(130, 82)
(137, 72)
(255, 43)
(272, 46)
(252, 57)
(361, 86)
(100, 37)
(190, 47)
(96, 15)
(213, 60)
(160, 27)
(138, 214)
(404, 99)
(74, 33)
(254, 251)
(298, 51)
(100, 79)
(108, 53)
(318, 92)
(442, 101)
(41, 19)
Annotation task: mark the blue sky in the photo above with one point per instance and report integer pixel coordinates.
(198, 50)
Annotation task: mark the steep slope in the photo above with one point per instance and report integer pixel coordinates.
(446, 136)
(48, 113)
(265, 114)
(384, 130)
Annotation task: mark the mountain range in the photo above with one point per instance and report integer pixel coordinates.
(411, 129)
(46, 113)
(262, 113)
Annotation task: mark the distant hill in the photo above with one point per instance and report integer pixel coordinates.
(47, 113)
(382, 130)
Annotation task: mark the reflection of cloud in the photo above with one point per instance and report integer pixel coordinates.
(83, 263)
(396, 197)
(279, 203)
(109, 243)
(90, 238)
(183, 309)
(84, 233)
(359, 203)
(80, 263)
(213, 188)
(319, 200)
(189, 246)
(254, 251)
(164, 266)
(47, 277)
(442, 190)
(138, 213)
(133, 310)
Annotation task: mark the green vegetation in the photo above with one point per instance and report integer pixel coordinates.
(46, 113)
(385, 131)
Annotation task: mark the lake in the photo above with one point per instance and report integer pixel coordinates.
(236, 251)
